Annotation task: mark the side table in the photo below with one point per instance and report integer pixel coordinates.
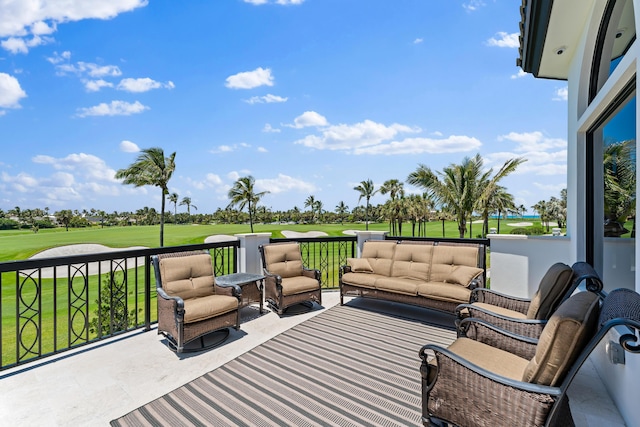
(252, 286)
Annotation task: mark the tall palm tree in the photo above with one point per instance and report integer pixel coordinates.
(310, 203)
(366, 190)
(173, 198)
(319, 207)
(619, 182)
(151, 168)
(395, 189)
(341, 210)
(187, 201)
(243, 194)
(501, 202)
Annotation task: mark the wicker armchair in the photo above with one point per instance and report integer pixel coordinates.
(529, 316)
(492, 377)
(287, 281)
(190, 304)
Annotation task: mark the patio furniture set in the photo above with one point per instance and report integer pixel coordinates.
(514, 358)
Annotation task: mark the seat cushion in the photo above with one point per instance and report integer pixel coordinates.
(187, 276)
(463, 274)
(444, 292)
(569, 329)
(412, 261)
(365, 280)
(283, 259)
(196, 309)
(298, 285)
(490, 358)
(398, 285)
(500, 310)
(379, 253)
(553, 286)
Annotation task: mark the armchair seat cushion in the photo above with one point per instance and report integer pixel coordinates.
(297, 285)
(444, 292)
(500, 310)
(399, 285)
(196, 309)
(490, 358)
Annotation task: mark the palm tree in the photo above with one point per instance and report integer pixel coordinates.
(501, 201)
(243, 194)
(151, 168)
(173, 198)
(366, 190)
(395, 189)
(619, 185)
(319, 206)
(341, 210)
(187, 201)
(310, 203)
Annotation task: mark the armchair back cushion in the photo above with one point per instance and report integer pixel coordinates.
(283, 259)
(569, 329)
(553, 287)
(187, 277)
(380, 255)
(446, 258)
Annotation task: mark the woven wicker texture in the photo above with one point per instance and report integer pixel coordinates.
(620, 303)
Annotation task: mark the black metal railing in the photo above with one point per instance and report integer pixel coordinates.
(51, 305)
(326, 254)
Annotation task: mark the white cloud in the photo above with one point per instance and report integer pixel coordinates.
(269, 129)
(262, 150)
(142, 85)
(545, 156)
(354, 137)
(452, 144)
(309, 119)
(473, 5)
(29, 20)
(418, 40)
(561, 94)
(287, 2)
(519, 74)
(250, 79)
(503, 39)
(551, 188)
(284, 183)
(59, 57)
(229, 148)
(256, 2)
(86, 68)
(115, 108)
(10, 91)
(267, 99)
(533, 141)
(129, 147)
(84, 165)
(96, 85)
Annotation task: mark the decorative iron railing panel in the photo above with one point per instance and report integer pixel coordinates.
(326, 254)
(51, 305)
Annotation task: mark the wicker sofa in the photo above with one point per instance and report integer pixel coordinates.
(437, 275)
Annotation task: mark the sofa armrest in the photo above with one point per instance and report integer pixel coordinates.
(344, 269)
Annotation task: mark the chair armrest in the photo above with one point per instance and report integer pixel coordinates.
(478, 282)
(228, 289)
(488, 296)
(527, 327)
(173, 300)
(344, 269)
(169, 306)
(310, 272)
(484, 332)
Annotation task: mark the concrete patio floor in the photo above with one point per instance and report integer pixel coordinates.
(99, 383)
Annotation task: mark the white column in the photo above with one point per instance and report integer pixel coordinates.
(250, 261)
(363, 236)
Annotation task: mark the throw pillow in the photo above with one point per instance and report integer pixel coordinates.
(359, 265)
(463, 275)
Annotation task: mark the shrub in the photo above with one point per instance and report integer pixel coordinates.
(519, 230)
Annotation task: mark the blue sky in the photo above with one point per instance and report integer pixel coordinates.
(308, 96)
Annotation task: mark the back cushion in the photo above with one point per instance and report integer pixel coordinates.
(445, 258)
(379, 253)
(572, 325)
(412, 261)
(553, 286)
(188, 276)
(283, 259)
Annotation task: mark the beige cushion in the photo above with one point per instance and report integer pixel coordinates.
(412, 261)
(298, 285)
(463, 274)
(445, 258)
(283, 259)
(444, 292)
(379, 253)
(398, 285)
(552, 288)
(500, 310)
(359, 265)
(490, 358)
(363, 280)
(569, 329)
(188, 276)
(202, 308)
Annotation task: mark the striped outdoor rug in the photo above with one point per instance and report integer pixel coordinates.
(344, 367)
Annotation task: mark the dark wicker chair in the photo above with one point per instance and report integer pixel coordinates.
(190, 304)
(529, 316)
(492, 377)
(287, 281)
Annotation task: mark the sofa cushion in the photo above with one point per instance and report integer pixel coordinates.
(552, 288)
(412, 261)
(444, 292)
(569, 329)
(445, 258)
(187, 276)
(298, 285)
(196, 309)
(399, 285)
(359, 265)
(363, 280)
(283, 259)
(463, 274)
(490, 358)
(379, 253)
